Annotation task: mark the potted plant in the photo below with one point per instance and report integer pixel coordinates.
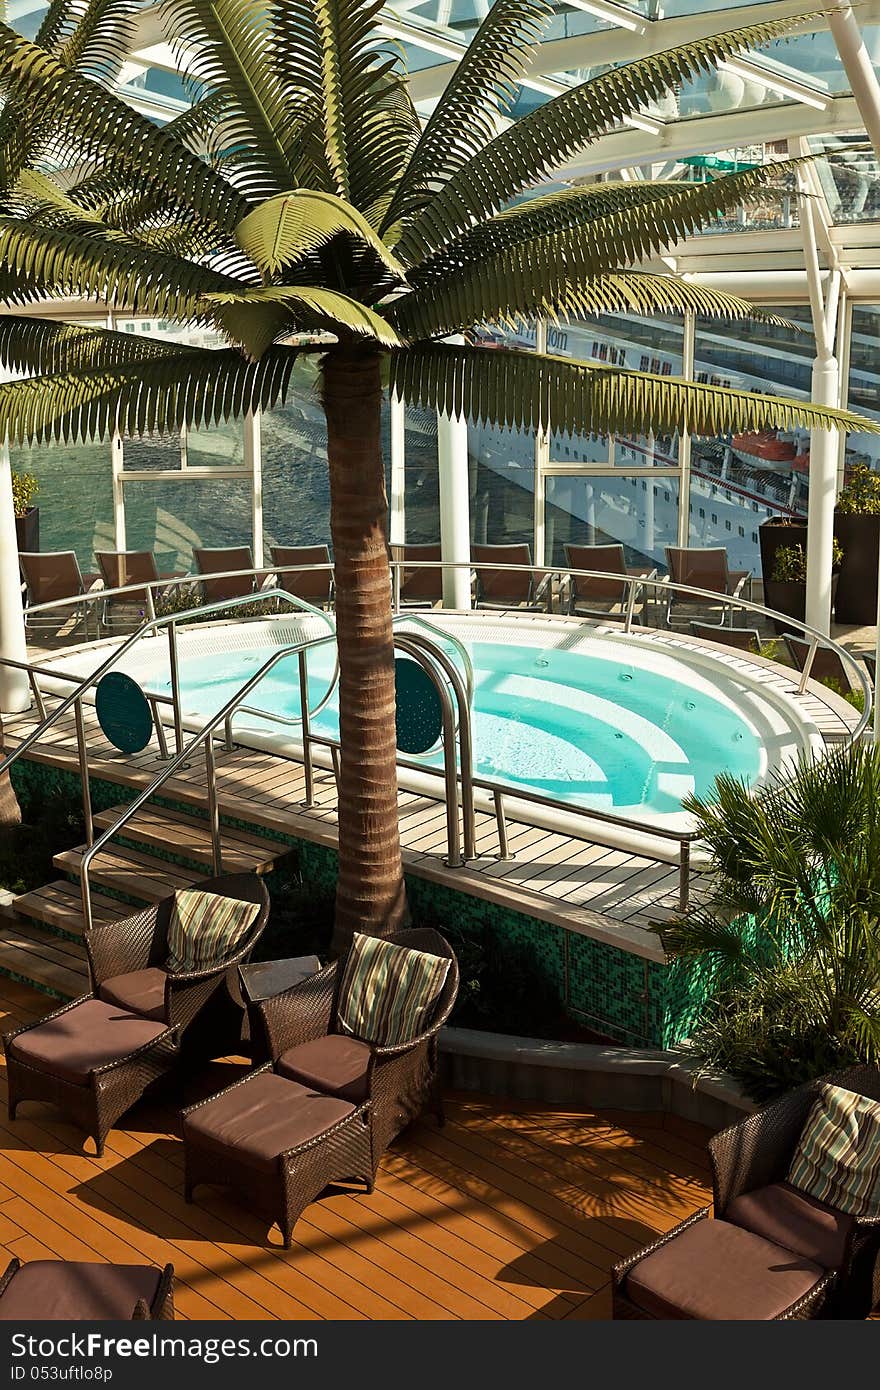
(786, 589)
(777, 533)
(27, 517)
(857, 527)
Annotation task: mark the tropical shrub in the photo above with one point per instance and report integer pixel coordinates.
(861, 494)
(789, 935)
(24, 489)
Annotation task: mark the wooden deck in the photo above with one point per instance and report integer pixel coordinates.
(512, 1211)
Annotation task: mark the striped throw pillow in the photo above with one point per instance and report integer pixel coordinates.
(838, 1154)
(204, 928)
(387, 990)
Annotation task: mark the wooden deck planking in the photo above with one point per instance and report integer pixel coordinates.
(512, 1211)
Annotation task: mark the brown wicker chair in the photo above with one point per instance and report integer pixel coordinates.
(510, 588)
(601, 597)
(338, 1108)
(70, 1291)
(750, 1162)
(295, 572)
(122, 568)
(703, 568)
(50, 575)
(421, 579)
(224, 560)
(138, 1017)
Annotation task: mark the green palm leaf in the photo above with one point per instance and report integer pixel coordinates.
(527, 152)
(160, 393)
(482, 88)
(255, 318)
(103, 129)
(526, 390)
(288, 230)
(39, 347)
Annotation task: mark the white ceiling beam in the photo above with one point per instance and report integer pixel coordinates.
(857, 64)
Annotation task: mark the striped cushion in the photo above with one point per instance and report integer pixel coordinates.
(204, 928)
(387, 991)
(838, 1154)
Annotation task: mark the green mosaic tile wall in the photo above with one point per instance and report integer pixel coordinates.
(608, 989)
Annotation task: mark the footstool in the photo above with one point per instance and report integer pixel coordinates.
(91, 1059)
(277, 1143)
(715, 1271)
(71, 1291)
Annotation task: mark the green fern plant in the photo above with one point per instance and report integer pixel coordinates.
(302, 209)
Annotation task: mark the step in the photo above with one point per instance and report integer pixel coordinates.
(31, 953)
(128, 871)
(190, 837)
(59, 907)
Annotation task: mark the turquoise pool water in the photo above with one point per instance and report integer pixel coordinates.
(585, 729)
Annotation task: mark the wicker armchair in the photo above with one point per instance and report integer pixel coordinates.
(96, 1056)
(758, 1151)
(70, 1291)
(400, 1082)
(752, 1202)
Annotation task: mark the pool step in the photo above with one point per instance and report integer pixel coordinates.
(127, 871)
(59, 907)
(36, 955)
(190, 837)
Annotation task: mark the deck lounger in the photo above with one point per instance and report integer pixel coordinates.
(420, 587)
(826, 667)
(503, 588)
(744, 639)
(219, 561)
(293, 573)
(602, 598)
(51, 575)
(120, 568)
(703, 569)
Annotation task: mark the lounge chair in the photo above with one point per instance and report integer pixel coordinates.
(826, 666)
(221, 561)
(51, 575)
(744, 639)
(420, 587)
(96, 1056)
(505, 588)
(72, 1291)
(772, 1252)
(603, 598)
(293, 573)
(121, 568)
(703, 569)
(328, 1104)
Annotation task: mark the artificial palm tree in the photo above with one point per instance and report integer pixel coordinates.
(788, 941)
(302, 195)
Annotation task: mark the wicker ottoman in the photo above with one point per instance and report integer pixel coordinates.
(91, 1059)
(714, 1271)
(277, 1143)
(69, 1291)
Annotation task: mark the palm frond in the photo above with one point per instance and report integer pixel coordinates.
(140, 280)
(526, 390)
(287, 230)
(160, 393)
(483, 88)
(41, 347)
(530, 150)
(255, 318)
(104, 130)
(98, 38)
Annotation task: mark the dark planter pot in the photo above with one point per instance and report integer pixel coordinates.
(857, 592)
(27, 530)
(789, 596)
(773, 535)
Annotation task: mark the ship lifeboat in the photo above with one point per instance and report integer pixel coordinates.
(801, 462)
(766, 445)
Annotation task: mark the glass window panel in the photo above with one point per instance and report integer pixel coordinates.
(864, 382)
(502, 485)
(170, 518)
(849, 175)
(639, 513)
(421, 478)
(75, 497)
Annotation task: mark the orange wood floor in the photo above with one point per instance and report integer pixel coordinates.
(511, 1211)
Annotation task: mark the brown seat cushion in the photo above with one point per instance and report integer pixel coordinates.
(716, 1271)
(333, 1064)
(58, 1290)
(88, 1036)
(140, 992)
(262, 1118)
(801, 1223)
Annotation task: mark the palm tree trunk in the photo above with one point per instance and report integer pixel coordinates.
(370, 895)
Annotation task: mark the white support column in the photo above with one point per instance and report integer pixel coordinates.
(857, 65)
(117, 461)
(15, 694)
(253, 459)
(455, 515)
(542, 459)
(397, 520)
(684, 438)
